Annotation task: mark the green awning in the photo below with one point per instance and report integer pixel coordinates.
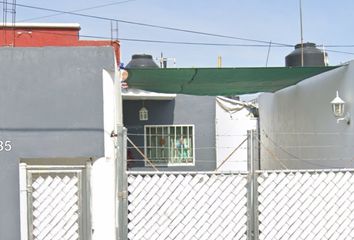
(219, 81)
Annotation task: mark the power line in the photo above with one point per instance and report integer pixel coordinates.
(196, 160)
(196, 148)
(266, 43)
(312, 133)
(340, 46)
(151, 25)
(79, 10)
(335, 51)
(177, 42)
(291, 154)
(161, 41)
(196, 43)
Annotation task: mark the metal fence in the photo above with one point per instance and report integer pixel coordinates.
(187, 206)
(306, 205)
(288, 205)
(57, 203)
(257, 205)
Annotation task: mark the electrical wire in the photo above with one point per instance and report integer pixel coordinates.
(147, 25)
(158, 41)
(293, 155)
(198, 160)
(78, 10)
(175, 42)
(272, 154)
(317, 146)
(196, 148)
(196, 43)
(339, 46)
(335, 51)
(312, 133)
(74, 12)
(166, 135)
(171, 29)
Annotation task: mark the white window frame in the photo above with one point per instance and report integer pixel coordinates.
(170, 164)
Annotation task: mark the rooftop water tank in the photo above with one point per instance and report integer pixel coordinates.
(142, 61)
(313, 57)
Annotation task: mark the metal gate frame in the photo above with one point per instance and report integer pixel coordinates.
(82, 172)
(122, 184)
(254, 191)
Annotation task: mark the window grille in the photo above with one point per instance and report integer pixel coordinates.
(170, 144)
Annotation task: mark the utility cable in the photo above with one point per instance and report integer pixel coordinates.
(148, 25)
(159, 41)
(170, 28)
(78, 10)
(291, 154)
(178, 42)
(272, 154)
(335, 51)
(167, 28)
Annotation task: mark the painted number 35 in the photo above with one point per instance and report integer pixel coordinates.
(5, 146)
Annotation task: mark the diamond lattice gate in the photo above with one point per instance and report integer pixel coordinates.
(57, 203)
(187, 206)
(302, 204)
(306, 205)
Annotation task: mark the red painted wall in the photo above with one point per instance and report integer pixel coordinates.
(50, 36)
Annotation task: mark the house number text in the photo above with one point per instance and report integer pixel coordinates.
(5, 146)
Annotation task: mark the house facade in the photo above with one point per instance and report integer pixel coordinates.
(178, 134)
(186, 132)
(56, 114)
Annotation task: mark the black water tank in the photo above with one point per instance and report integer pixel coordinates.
(313, 57)
(141, 61)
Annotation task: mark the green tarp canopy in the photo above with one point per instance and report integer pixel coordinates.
(219, 81)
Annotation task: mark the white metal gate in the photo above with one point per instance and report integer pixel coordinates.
(298, 204)
(187, 206)
(58, 202)
(257, 205)
(306, 204)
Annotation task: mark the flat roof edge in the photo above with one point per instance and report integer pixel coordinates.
(41, 25)
(137, 94)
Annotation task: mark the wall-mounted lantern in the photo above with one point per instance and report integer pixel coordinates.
(143, 114)
(338, 108)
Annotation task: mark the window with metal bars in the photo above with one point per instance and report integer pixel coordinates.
(170, 145)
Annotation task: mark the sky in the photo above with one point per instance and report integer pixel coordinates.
(325, 23)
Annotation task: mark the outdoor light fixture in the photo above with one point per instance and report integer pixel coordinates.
(143, 114)
(124, 74)
(338, 108)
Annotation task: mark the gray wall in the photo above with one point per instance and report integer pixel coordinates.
(51, 107)
(185, 109)
(298, 128)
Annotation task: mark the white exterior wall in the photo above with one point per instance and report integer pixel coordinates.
(231, 130)
(298, 128)
(103, 171)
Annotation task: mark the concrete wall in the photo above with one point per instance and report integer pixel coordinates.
(298, 128)
(51, 107)
(185, 109)
(233, 120)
